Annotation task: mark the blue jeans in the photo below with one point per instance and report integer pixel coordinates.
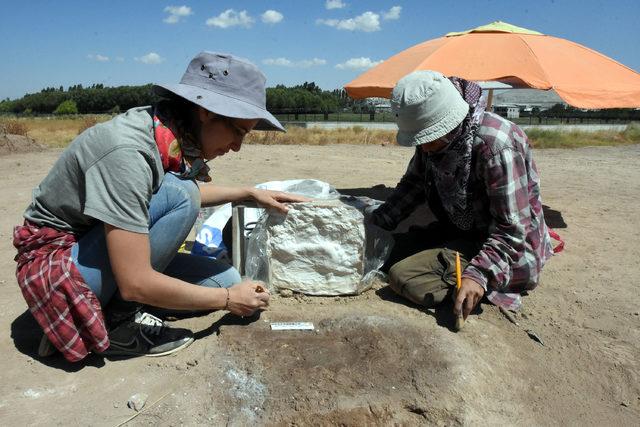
(172, 211)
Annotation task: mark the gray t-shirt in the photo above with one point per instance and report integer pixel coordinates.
(108, 174)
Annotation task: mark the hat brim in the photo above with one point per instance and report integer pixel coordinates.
(429, 134)
(221, 104)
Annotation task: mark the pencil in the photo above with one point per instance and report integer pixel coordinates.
(459, 319)
(458, 273)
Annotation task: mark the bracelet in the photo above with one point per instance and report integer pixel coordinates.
(226, 306)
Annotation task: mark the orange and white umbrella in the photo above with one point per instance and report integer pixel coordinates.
(516, 56)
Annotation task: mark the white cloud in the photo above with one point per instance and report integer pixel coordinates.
(119, 59)
(272, 17)
(176, 13)
(361, 63)
(98, 57)
(231, 18)
(392, 14)
(366, 22)
(305, 63)
(284, 62)
(150, 58)
(334, 4)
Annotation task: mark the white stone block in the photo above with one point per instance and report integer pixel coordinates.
(317, 248)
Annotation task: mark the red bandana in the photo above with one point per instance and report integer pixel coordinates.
(185, 162)
(168, 146)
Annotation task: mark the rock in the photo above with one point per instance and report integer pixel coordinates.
(286, 293)
(317, 248)
(137, 401)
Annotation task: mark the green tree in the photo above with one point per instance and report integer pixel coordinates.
(66, 107)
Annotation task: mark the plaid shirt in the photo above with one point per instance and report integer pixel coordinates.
(507, 207)
(57, 296)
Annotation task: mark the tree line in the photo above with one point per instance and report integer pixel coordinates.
(563, 111)
(307, 98)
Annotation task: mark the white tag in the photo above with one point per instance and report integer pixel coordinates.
(292, 326)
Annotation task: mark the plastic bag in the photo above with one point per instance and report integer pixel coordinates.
(311, 188)
(377, 246)
(211, 221)
(209, 226)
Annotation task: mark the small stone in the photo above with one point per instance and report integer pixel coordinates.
(286, 293)
(116, 405)
(625, 404)
(137, 401)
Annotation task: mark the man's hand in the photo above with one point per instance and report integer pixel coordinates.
(269, 199)
(245, 298)
(468, 297)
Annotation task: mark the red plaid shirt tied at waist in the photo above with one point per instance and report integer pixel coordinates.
(57, 295)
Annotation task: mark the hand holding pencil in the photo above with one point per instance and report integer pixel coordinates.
(468, 295)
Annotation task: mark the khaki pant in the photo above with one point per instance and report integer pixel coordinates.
(428, 276)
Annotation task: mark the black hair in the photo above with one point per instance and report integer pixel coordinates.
(183, 114)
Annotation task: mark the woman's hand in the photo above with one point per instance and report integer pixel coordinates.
(247, 297)
(468, 297)
(269, 199)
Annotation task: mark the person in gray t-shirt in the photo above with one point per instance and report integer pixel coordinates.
(127, 190)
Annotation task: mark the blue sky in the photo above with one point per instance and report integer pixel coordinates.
(54, 43)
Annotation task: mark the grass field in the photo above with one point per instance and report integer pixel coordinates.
(337, 117)
(52, 131)
(59, 132)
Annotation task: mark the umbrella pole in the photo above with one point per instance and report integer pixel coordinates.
(490, 100)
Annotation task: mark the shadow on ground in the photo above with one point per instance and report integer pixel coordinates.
(26, 334)
(443, 313)
(553, 218)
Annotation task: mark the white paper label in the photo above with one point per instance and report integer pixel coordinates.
(292, 326)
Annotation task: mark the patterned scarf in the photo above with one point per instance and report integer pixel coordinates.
(451, 167)
(180, 155)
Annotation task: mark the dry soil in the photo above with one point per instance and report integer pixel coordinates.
(373, 360)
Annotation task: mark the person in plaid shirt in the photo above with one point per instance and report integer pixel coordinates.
(476, 171)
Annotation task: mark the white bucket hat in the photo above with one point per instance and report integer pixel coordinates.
(226, 85)
(427, 106)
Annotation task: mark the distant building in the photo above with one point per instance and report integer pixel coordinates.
(380, 105)
(510, 111)
(525, 99)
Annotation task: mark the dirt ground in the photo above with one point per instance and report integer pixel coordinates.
(373, 360)
(11, 144)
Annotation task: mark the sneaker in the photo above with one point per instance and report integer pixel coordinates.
(146, 335)
(46, 349)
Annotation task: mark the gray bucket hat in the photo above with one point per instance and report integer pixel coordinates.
(226, 85)
(427, 106)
